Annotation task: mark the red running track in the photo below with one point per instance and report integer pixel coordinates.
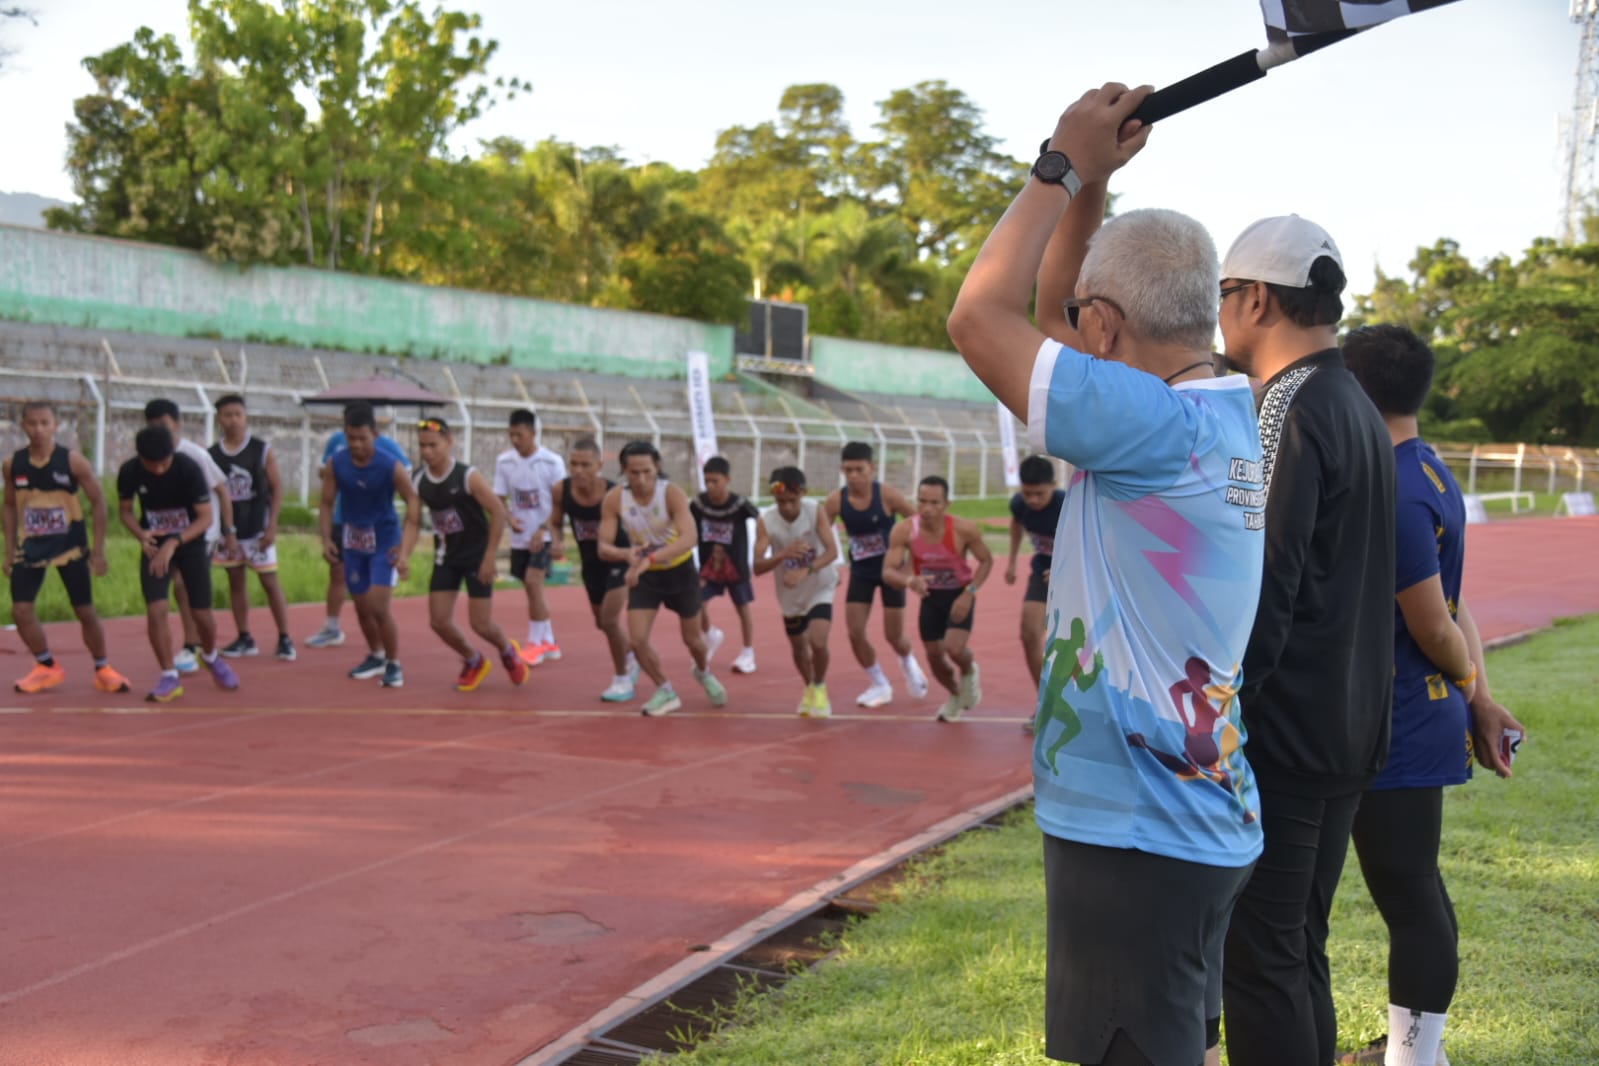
(314, 870)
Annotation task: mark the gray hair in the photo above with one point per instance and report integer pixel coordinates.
(1160, 266)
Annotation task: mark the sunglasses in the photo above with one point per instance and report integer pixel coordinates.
(431, 424)
(778, 486)
(1073, 306)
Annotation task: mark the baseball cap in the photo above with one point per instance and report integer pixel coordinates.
(1279, 250)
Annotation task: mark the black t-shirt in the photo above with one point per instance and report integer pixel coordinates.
(1040, 526)
(724, 537)
(1319, 668)
(168, 501)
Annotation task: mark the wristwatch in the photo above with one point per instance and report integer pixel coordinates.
(229, 531)
(1053, 168)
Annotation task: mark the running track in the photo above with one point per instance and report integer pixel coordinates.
(315, 870)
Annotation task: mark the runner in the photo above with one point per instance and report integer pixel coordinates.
(721, 516)
(374, 549)
(331, 635)
(468, 521)
(868, 509)
(256, 492)
(1035, 510)
(928, 556)
(44, 530)
(174, 514)
(795, 537)
(525, 475)
(580, 497)
(659, 552)
(165, 413)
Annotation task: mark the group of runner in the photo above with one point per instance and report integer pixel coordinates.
(192, 507)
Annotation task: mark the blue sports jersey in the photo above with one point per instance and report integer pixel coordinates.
(370, 524)
(1431, 742)
(1039, 526)
(1152, 592)
(336, 444)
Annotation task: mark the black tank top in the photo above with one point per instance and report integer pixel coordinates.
(585, 521)
(460, 528)
(868, 530)
(247, 484)
(51, 531)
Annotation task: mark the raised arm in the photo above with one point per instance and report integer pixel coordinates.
(1063, 261)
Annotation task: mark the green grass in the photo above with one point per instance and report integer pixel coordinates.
(951, 971)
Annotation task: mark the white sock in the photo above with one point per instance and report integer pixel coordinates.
(619, 680)
(332, 623)
(632, 662)
(749, 651)
(532, 632)
(546, 632)
(1413, 1037)
(907, 663)
(875, 672)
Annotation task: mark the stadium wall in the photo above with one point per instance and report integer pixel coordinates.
(861, 366)
(71, 280)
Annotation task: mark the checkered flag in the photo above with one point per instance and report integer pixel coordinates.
(1296, 18)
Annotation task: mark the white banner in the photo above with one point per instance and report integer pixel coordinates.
(699, 409)
(1007, 447)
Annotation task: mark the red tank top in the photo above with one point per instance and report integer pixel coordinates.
(940, 562)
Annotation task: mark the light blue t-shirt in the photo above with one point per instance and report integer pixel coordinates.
(335, 444)
(1152, 593)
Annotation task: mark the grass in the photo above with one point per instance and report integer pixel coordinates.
(951, 970)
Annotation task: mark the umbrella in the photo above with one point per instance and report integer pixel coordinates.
(380, 389)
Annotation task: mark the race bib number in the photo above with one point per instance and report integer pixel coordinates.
(941, 579)
(448, 521)
(803, 561)
(360, 539)
(168, 521)
(1043, 543)
(867, 546)
(717, 532)
(585, 529)
(44, 521)
(525, 499)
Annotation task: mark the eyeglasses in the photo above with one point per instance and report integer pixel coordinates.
(1230, 289)
(1076, 304)
(431, 424)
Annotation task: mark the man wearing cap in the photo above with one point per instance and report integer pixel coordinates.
(1318, 673)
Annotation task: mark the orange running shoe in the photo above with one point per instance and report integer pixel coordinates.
(42, 678)
(472, 674)
(533, 654)
(515, 666)
(108, 680)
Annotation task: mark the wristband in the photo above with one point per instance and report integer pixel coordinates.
(1468, 679)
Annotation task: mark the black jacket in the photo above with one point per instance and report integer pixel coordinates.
(1318, 672)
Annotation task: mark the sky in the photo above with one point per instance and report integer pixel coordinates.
(1441, 124)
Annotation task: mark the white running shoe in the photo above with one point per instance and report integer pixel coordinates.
(971, 689)
(745, 663)
(713, 640)
(618, 692)
(915, 680)
(952, 709)
(876, 696)
(185, 661)
(326, 637)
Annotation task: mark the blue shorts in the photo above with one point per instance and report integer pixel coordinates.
(362, 570)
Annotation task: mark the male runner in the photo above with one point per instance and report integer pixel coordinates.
(374, 549)
(795, 537)
(331, 635)
(579, 496)
(166, 414)
(525, 476)
(868, 509)
(174, 514)
(44, 530)
(468, 521)
(1035, 510)
(256, 492)
(721, 515)
(928, 556)
(659, 553)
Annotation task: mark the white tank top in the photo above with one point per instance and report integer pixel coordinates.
(813, 589)
(650, 525)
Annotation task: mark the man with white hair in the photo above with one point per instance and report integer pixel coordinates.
(1146, 801)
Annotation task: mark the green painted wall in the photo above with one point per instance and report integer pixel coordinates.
(69, 280)
(860, 366)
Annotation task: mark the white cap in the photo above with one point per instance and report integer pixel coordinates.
(1279, 250)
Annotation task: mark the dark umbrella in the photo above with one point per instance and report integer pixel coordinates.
(382, 390)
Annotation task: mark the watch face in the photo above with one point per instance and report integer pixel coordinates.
(1051, 166)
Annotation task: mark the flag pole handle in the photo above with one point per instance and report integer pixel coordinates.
(1195, 89)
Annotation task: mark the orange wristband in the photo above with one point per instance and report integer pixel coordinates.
(1468, 679)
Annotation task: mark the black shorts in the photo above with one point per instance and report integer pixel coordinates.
(863, 586)
(1134, 944)
(933, 620)
(523, 558)
(193, 561)
(26, 581)
(677, 589)
(795, 625)
(1037, 585)
(448, 577)
(740, 592)
(600, 578)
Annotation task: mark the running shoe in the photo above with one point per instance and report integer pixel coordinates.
(533, 652)
(511, 659)
(370, 667)
(713, 688)
(286, 652)
(242, 648)
(804, 708)
(971, 688)
(329, 636)
(618, 692)
(551, 653)
(42, 678)
(186, 661)
(745, 663)
(167, 689)
(472, 674)
(223, 674)
(915, 680)
(393, 676)
(821, 707)
(876, 696)
(108, 680)
(664, 701)
(952, 710)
